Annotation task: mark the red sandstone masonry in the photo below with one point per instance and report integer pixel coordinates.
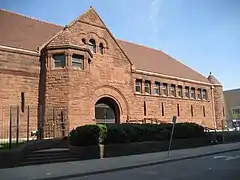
(107, 75)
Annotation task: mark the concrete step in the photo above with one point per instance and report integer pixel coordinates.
(48, 156)
(48, 161)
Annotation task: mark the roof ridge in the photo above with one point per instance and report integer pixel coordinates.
(145, 46)
(33, 18)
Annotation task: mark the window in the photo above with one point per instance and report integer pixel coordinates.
(180, 91)
(204, 94)
(187, 93)
(162, 109)
(178, 110)
(101, 48)
(193, 96)
(147, 86)
(77, 61)
(144, 108)
(223, 112)
(84, 41)
(192, 110)
(22, 102)
(59, 60)
(138, 85)
(164, 89)
(173, 90)
(199, 93)
(92, 45)
(156, 88)
(204, 113)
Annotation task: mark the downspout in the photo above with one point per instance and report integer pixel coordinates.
(213, 107)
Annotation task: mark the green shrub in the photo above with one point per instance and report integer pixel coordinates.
(88, 135)
(188, 130)
(127, 133)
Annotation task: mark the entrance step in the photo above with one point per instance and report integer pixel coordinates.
(47, 156)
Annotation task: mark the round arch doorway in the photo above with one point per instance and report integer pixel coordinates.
(107, 111)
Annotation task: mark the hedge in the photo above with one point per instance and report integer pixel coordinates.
(127, 133)
(88, 135)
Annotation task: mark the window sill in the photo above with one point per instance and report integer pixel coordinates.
(170, 97)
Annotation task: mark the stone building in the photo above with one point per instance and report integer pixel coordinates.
(97, 77)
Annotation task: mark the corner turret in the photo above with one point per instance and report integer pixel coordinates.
(218, 102)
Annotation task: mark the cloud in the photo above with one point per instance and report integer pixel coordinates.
(154, 9)
(154, 20)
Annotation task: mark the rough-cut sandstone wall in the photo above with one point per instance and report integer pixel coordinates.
(219, 107)
(18, 73)
(110, 75)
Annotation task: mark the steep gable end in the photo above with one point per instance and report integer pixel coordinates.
(91, 17)
(65, 38)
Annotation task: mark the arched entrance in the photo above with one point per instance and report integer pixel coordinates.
(107, 111)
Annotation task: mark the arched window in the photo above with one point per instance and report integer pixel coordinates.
(84, 41)
(92, 45)
(101, 48)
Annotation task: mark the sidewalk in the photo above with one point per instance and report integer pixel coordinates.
(96, 166)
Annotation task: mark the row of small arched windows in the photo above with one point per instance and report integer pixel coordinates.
(93, 47)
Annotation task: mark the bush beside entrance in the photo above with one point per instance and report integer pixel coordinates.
(129, 133)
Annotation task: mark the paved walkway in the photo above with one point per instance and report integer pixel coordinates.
(83, 168)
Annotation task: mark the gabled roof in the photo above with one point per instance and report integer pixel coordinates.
(156, 61)
(28, 33)
(64, 38)
(213, 79)
(23, 32)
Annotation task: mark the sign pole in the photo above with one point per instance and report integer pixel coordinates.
(174, 120)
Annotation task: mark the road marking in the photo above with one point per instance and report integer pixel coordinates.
(217, 157)
(231, 158)
(226, 158)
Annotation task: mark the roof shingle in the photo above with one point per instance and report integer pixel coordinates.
(27, 33)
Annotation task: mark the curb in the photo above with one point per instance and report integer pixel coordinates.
(64, 177)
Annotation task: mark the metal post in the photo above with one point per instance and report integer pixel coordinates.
(223, 139)
(10, 128)
(40, 133)
(63, 124)
(28, 119)
(54, 123)
(17, 138)
(174, 120)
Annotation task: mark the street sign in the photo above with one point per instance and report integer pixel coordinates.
(174, 120)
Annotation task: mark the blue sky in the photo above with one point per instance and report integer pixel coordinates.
(203, 34)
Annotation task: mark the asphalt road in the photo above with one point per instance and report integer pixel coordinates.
(220, 167)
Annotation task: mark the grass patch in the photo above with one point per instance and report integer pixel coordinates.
(14, 145)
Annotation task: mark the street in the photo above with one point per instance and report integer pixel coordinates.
(220, 167)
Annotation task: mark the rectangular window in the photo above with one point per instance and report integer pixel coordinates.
(77, 61)
(178, 110)
(199, 93)
(204, 113)
(187, 93)
(223, 112)
(156, 88)
(22, 102)
(147, 87)
(59, 60)
(144, 109)
(164, 89)
(162, 109)
(173, 90)
(138, 85)
(192, 110)
(180, 94)
(204, 94)
(193, 95)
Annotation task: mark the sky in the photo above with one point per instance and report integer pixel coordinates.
(202, 34)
